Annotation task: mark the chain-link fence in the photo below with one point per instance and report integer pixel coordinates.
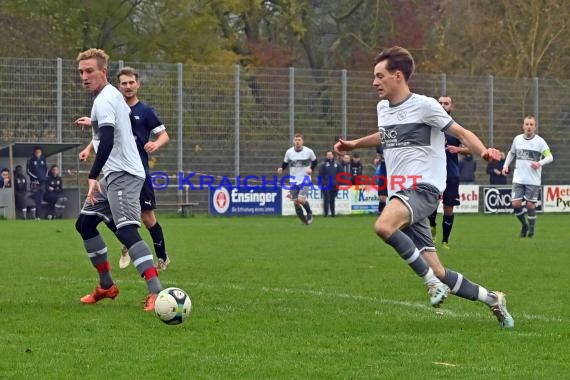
(229, 121)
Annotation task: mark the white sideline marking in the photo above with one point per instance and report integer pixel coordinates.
(445, 364)
(320, 293)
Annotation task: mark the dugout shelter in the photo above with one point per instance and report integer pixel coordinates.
(17, 153)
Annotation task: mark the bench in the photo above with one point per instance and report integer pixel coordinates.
(184, 209)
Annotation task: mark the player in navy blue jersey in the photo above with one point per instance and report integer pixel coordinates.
(145, 122)
(450, 199)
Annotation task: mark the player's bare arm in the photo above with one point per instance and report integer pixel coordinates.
(458, 149)
(161, 140)
(84, 154)
(507, 163)
(94, 188)
(83, 122)
(548, 158)
(472, 142)
(369, 141)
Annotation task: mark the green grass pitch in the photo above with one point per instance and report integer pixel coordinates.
(273, 299)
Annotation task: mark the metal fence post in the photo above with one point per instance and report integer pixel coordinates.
(536, 101)
(180, 124)
(491, 110)
(344, 100)
(291, 103)
(59, 107)
(121, 64)
(236, 120)
(443, 84)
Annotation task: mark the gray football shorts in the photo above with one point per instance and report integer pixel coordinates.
(118, 200)
(527, 192)
(421, 202)
(297, 191)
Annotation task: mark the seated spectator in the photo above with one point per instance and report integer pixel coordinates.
(24, 201)
(5, 181)
(54, 194)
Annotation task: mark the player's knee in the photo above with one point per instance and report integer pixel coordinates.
(86, 225)
(78, 224)
(128, 235)
(383, 229)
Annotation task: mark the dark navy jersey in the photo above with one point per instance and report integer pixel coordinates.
(37, 168)
(452, 158)
(145, 122)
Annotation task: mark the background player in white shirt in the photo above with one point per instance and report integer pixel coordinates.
(411, 130)
(301, 161)
(531, 152)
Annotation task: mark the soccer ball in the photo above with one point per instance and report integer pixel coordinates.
(172, 306)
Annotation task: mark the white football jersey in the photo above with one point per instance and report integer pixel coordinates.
(413, 141)
(110, 109)
(525, 152)
(298, 163)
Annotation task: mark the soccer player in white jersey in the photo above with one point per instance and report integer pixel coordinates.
(301, 162)
(532, 153)
(411, 130)
(115, 197)
(145, 122)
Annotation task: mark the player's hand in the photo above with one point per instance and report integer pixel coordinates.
(452, 149)
(94, 188)
(151, 147)
(84, 154)
(83, 122)
(343, 146)
(491, 154)
(505, 171)
(535, 165)
(279, 171)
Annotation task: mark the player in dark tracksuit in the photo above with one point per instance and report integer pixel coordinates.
(355, 167)
(37, 170)
(328, 182)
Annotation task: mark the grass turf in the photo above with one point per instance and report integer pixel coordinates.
(274, 299)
